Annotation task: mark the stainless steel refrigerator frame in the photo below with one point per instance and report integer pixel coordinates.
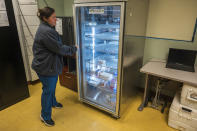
(120, 57)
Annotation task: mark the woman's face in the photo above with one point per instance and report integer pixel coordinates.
(52, 20)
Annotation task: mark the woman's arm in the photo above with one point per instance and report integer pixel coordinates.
(50, 42)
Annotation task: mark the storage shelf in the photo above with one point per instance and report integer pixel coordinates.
(111, 65)
(111, 68)
(105, 51)
(104, 26)
(105, 90)
(101, 103)
(104, 36)
(98, 96)
(103, 56)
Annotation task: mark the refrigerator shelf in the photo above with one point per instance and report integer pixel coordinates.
(102, 56)
(105, 99)
(91, 43)
(87, 39)
(105, 48)
(104, 36)
(103, 89)
(102, 103)
(105, 76)
(106, 85)
(106, 51)
(96, 70)
(96, 44)
(90, 70)
(102, 26)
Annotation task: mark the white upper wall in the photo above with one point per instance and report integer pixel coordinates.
(172, 19)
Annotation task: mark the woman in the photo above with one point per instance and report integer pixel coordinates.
(48, 53)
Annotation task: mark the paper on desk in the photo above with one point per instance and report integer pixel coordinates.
(2, 5)
(59, 26)
(3, 19)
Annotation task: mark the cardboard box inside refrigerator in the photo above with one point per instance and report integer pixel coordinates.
(182, 117)
(189, 96)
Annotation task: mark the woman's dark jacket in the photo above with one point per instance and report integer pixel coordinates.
(48, 51)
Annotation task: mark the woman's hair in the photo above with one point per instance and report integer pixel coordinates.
(45, 12)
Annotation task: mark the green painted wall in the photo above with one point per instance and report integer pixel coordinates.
(58, 5)
(157, 48)
(62, 7)
(68, 10)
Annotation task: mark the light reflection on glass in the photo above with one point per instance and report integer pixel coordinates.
(93, 40)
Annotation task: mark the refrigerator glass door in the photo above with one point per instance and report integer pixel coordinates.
(98, 36)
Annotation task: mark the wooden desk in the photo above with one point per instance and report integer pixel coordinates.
(158, 68)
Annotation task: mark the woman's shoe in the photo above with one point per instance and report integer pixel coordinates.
(47, 122)
(58, 106)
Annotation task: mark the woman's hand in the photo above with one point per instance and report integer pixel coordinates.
(74, 50)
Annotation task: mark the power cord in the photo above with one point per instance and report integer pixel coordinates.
(156, 100)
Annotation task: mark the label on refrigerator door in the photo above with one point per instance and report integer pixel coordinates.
(96, 11)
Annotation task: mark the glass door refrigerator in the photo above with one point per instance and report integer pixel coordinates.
(99, 28)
